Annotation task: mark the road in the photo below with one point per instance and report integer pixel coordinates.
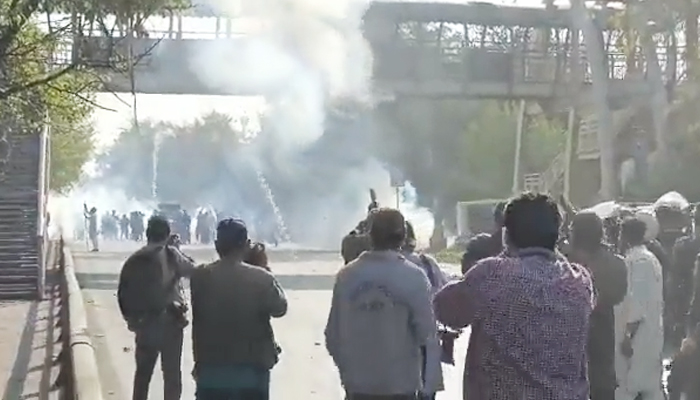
(305, 370)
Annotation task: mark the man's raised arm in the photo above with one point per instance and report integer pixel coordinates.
(457, 304)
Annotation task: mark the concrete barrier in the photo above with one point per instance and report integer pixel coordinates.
(85, 380)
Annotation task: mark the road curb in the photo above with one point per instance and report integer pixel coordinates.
(85, 376)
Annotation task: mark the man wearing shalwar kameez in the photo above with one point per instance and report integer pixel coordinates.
(639, 320)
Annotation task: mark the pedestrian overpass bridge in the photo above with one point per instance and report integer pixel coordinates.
(445, 65)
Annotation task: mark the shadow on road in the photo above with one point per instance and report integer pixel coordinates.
(208, 255)
(36, 368)
(103, 281)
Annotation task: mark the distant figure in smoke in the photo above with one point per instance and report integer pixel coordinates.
(205, 224)
(104, 226)
(137, 227)
(91, 220)
(114, 222)
(186, 221)
(124, 227)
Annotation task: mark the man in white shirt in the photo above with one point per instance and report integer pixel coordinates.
(640, 319)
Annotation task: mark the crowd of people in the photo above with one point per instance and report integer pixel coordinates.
(561, 305)
(131, 226)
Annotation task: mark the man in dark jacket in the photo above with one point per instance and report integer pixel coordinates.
(609, 274)
(681, 284)
(152, 303)
(485, 245)
(232, 303)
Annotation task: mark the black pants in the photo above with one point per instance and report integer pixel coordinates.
(359, 396)
(224, 394)
(161, 337)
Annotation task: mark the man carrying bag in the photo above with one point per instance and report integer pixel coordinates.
(151, 299)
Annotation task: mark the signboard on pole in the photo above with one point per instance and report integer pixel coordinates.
(396, 178)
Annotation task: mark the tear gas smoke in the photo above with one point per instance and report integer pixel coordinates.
(308, 57)
(67, 211)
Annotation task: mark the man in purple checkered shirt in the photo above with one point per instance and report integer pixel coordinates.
(529, 312)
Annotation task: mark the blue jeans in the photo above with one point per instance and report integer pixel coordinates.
(233, 382)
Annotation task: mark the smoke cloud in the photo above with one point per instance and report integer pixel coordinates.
(313, 142)
(309, 59)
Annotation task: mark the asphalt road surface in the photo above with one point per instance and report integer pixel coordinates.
(305, 370)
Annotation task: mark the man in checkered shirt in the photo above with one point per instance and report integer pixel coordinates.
(529, 310)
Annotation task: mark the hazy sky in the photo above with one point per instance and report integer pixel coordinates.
(171, 108)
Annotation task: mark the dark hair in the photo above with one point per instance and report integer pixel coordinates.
(158, 229)
(632, 231)
(586, 231)
(532, 220)
(231, 237)
(388, 229)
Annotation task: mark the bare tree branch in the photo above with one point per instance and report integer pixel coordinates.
(80, 96)
(20, 87)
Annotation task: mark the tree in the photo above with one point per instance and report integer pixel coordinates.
(34, 93)
(468, 151)
(37, 87)
(207, 142)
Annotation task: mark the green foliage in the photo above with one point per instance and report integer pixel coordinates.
(206, 141)
(123, 10)
(450, 255)
(679, 175)
(35, 92)
(468, 153)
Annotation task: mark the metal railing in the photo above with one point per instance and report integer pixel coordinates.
(554, 173)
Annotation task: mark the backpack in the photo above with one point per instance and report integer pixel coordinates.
(146, 284)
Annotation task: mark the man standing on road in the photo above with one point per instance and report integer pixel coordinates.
(91, 220)
(381, 319)
(529, 310)
(641, 313)
(151, 299)
(232, 303)
(609, 275)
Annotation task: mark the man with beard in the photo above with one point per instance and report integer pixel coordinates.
(235, 350)
(485, 245)
(381, 321)
(609, 275)
(152, 302)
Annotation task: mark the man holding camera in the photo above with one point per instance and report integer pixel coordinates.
(233, 300)
(151, 299)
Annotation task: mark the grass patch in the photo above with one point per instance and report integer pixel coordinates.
(451, 255)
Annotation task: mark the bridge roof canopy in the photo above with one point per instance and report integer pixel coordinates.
(475, 13)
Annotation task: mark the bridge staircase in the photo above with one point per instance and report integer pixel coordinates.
(22, 242)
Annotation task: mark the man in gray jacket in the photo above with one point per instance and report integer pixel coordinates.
(381, 319)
